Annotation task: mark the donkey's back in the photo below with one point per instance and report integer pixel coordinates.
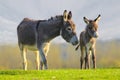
(27, 31)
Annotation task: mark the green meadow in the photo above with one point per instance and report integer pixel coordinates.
(61, 74)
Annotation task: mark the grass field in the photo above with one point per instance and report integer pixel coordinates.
(61, 74)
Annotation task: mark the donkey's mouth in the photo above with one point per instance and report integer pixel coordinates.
(95, 35)
(74, 40)
(75, 43)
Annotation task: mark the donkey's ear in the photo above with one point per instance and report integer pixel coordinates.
(69, 15)
(65, 15)
(98, 18)
(86, 20)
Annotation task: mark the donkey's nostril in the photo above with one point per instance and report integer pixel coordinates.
(76, 42)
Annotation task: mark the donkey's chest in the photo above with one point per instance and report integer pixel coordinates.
(34, 47)
(31, 47)
(89, 44)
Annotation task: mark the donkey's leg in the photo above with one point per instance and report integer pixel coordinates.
(43, 50)
(94, 58)
(86, 58)
(89, 59)
(46, 49)
(82, 58)
(43, 58)
(41, 64)
(37, 60)
(23, 54)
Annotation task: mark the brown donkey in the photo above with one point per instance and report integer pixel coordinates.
(88, 41)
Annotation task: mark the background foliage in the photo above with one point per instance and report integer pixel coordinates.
(61, 56)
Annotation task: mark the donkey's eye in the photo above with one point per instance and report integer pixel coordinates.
(69, 29)
(90, 27)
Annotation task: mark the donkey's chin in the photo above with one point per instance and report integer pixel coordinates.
(74, 40)
(75, 43)
(96, 36)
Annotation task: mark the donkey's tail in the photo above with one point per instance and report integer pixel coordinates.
(77, 47)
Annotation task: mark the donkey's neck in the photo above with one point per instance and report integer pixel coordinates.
(54, 32)
(87, 36)
(89, 39)
(50, 30)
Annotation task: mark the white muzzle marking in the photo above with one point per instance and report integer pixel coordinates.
(96, 34)
(73, 39)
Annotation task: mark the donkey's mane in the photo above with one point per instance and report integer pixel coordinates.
(57, 17)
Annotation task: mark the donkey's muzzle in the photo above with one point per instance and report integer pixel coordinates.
(74, 40)
(96, 34)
